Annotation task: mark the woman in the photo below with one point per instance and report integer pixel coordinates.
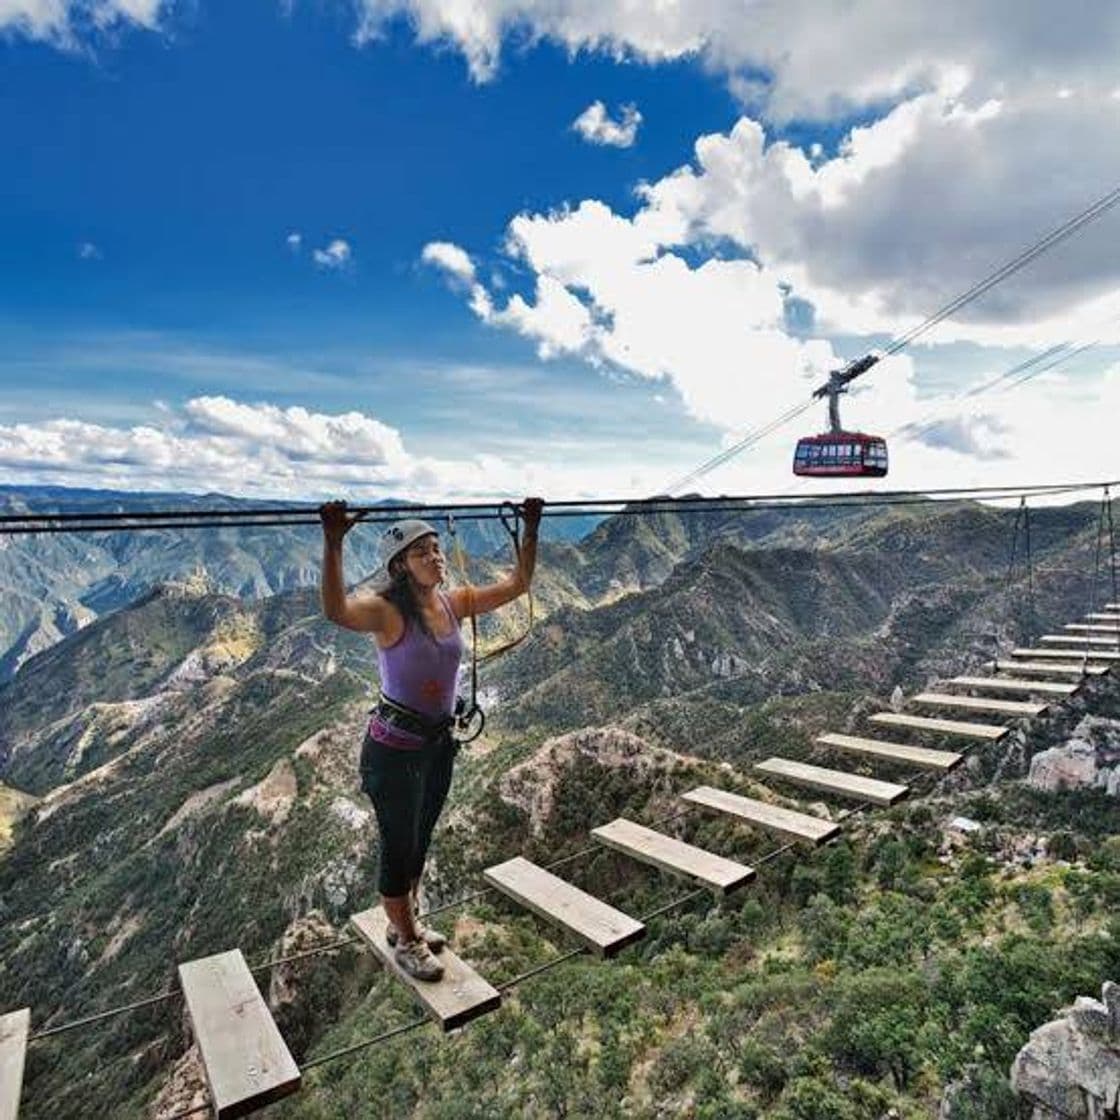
(408, 752)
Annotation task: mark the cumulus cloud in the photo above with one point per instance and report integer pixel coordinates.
(596, 127)
(66, 22)
(337, 255)
(294, 241)
(260, 449)
(913, 209)
(452, 259)
(799, 58)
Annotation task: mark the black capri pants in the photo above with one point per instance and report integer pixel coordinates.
(408, 789)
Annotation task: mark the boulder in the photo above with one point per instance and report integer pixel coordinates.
(1089, 758)
(1071, 1067)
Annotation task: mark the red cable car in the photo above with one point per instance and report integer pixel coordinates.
(837, 452)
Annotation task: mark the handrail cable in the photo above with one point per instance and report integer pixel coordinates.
(486, 510)
(18, 524)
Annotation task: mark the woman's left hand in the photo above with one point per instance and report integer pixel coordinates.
(531, 513)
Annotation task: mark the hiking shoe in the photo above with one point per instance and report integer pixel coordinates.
(416, 959)
(432, 937)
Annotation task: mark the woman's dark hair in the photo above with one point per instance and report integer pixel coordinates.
(401, 594)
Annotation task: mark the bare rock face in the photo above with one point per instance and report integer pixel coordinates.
(185, 1088)
(1090, 758)
(1071, 1067)
(300, 992)
(532, 785)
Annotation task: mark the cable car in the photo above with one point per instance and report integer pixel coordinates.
(837, 452)
(841, 453)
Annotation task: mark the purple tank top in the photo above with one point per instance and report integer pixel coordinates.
(421, 673)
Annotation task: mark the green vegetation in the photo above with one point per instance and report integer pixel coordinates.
(864, 977)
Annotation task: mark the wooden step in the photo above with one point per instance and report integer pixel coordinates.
(14, 1027)
(978, 704)
(1091, 628)
(761, 814)
(1102, 655)
(1048, 668)
(987, 731)
(246, 1061)
(1007, 684)
(834, 781)
(462, 995)
(1079, 640)
(897, 752)
(672, 855)
(601, 927)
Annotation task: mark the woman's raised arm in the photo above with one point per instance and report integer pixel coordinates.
(466, 601)
(367, 613)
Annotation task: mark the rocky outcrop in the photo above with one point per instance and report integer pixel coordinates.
(1071, 1067)
(532, 785)
(1090, 758)
(304, 993)
(273, 796)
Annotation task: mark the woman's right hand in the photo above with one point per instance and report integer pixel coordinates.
(337, 522)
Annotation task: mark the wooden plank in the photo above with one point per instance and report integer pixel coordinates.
(761, 814)
(674, 856)
(1079, 640)
(979, 704)
(965, 730)
(1008, 684)
(834, 781)
(1091, 628)
(1103, 655)
(896, 752)
(601, 927)
(14, 1027)
(246, 1061)
(1048, 668)
(460, 996)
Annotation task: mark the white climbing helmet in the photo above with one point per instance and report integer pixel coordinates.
(398, 536)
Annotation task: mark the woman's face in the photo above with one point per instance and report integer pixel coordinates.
(425, 562)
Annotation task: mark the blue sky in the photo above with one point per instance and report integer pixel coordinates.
(156, 172)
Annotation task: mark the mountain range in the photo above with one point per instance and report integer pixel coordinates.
(185, 768)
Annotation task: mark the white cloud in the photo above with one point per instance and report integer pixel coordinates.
(801, 57)
(596, 127)
(337, 255)
(913, 210)
(87, 251)
(453, 260)
(261, 449)
(66, 22)
(294, 241)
